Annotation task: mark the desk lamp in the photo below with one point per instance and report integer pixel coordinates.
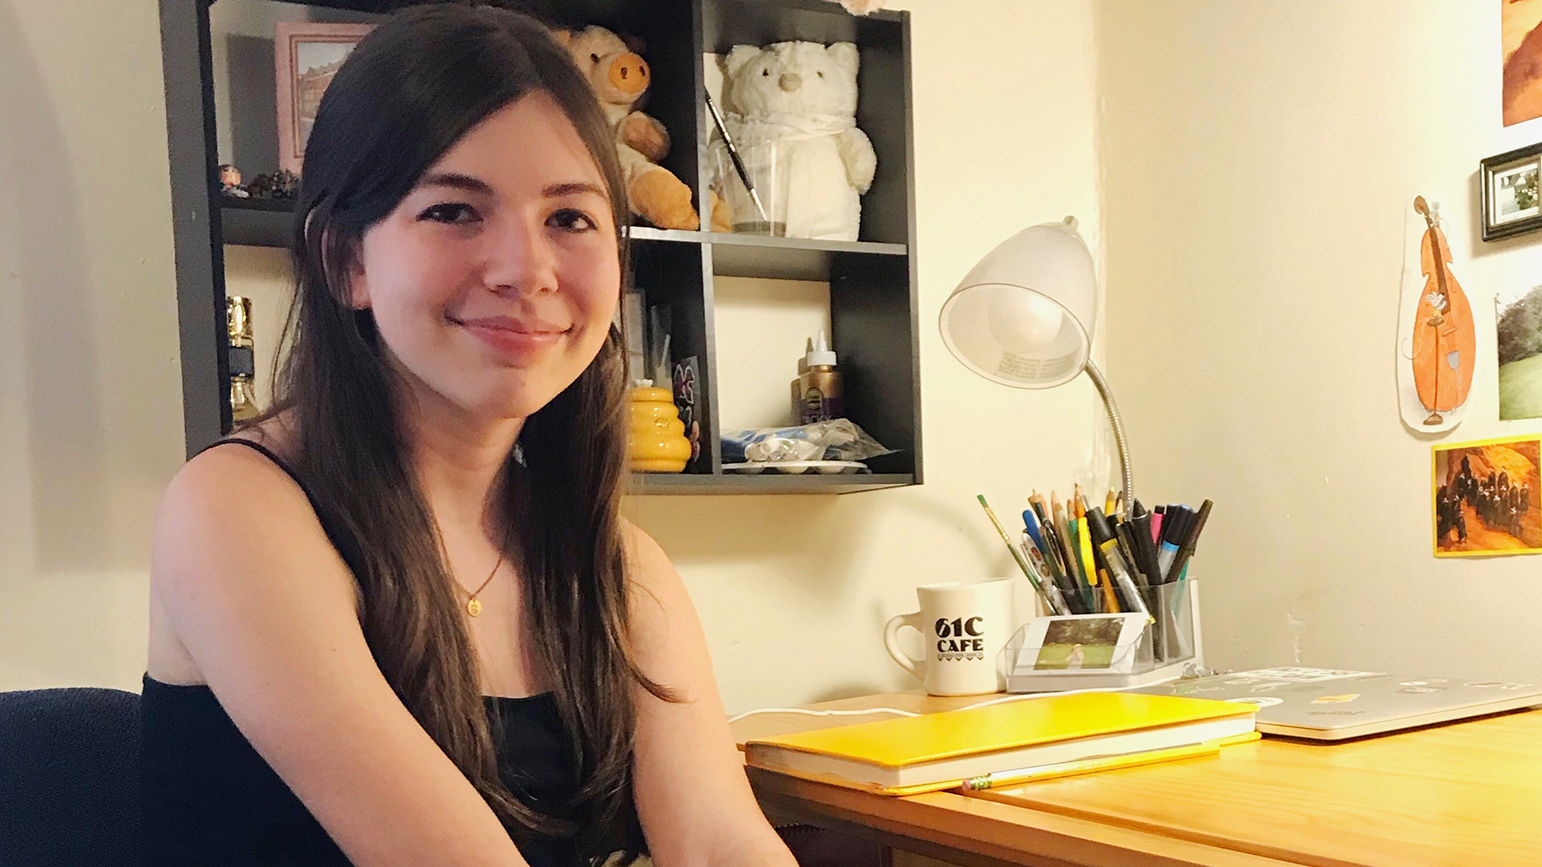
(1024, 316)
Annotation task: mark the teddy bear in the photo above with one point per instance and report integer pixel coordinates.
(803, 97)
(615, 69)
(862, 7)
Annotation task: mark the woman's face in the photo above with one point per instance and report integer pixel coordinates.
(493, 283)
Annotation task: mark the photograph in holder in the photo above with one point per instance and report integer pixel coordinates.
(1080, 643)
(1486, 497)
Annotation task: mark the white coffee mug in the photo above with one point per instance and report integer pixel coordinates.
(964, 626)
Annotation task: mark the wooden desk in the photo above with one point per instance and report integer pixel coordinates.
(1466, 795)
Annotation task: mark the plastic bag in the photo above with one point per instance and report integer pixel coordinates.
(834, 440)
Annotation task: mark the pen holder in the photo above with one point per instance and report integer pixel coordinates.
(1170, 636)
(765, 163)
(1157, 651)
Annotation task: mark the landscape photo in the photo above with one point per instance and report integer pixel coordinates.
(1518, 343)
(1079, 643)
(1486, 497)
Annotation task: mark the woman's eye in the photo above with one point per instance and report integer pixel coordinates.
(571, 220)
(449, 212)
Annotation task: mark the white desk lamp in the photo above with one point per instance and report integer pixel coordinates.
(1024, 315)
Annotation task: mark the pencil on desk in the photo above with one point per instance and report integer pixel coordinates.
(1089, 766)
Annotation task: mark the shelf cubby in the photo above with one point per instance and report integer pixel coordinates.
(873, 311)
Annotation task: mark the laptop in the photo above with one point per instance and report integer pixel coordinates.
(1329, 704)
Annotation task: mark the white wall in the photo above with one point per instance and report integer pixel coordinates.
(1260, 162)
(90, 394)
(793, 590)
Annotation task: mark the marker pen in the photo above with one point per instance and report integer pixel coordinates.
(1117, 566)
(1172, 536)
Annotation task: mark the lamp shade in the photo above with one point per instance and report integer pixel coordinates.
(1024, 315)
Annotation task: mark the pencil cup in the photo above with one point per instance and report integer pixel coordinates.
(765, 162)
(965, 626)
(1169, 637)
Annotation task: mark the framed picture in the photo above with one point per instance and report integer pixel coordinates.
(1488, 497)
(306, 55)
(1509, 185)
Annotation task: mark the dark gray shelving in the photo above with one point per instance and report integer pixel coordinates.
(766, 483)
(873, 296)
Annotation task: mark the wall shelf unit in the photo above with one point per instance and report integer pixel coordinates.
(873, 314)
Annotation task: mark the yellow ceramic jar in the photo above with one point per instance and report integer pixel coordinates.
(657, 436)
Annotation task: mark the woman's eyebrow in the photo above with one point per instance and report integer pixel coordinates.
(572, 188)
(457, 181)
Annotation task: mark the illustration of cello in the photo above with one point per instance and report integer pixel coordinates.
(1444, 340)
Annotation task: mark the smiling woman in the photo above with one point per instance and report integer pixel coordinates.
(335, 677)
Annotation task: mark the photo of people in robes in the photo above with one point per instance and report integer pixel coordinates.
(1486, 498)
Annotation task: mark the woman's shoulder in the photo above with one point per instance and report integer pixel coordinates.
(232, 498)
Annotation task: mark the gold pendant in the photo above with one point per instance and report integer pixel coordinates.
(474, 606)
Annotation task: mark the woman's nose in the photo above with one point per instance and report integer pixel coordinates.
(522, 259)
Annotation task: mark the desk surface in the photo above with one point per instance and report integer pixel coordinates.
(1466, 794)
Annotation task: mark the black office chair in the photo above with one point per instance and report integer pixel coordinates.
(69, 778)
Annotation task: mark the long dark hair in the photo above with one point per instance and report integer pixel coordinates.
(411, 88)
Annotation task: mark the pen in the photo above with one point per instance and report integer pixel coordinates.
(1181, 561)
(733, 154)
(1031, 524)
(1049, 590)
(1172, 534)
(1109, 503)
(1117, 566)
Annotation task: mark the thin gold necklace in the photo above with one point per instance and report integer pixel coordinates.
(473, 604)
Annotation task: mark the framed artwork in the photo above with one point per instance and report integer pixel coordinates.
(1509, 190)
(1486, 497)
(306, 55)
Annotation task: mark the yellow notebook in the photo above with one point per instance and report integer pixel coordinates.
(938, 751)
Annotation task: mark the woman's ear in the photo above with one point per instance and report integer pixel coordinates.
(349, 281)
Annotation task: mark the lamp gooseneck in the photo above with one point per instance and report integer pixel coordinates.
(1119, 440)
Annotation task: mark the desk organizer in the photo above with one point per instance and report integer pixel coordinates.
(1169, 643)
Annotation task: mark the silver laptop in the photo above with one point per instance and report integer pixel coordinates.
(1328, 705)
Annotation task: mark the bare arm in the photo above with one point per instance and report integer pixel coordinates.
(267, 611)
(693, 798)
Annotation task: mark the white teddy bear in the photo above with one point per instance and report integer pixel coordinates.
(803, 97)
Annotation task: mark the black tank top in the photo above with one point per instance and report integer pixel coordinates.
(211, 799)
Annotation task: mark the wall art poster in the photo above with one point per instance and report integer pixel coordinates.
(1521, 54)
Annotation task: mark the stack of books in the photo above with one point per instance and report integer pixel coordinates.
(1007, 743)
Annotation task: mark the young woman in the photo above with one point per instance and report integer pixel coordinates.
(399, 621)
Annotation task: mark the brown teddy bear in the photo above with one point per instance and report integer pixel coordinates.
(620, 77)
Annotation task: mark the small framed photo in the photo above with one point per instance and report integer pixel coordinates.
(1081, 642)
(306, 55)
(1488, 497)
(1511, 201)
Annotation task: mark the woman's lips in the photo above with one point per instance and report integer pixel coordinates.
(513, 337)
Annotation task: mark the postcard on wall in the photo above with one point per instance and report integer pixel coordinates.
(1486, 497)
(1521, 54)
(1518, 344)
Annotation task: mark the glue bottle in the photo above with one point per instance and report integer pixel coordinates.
(817, 396)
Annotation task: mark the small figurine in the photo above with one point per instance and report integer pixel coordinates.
(282, 184)
(230, 181)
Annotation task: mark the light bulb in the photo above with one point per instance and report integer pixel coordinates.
(1024, 322)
